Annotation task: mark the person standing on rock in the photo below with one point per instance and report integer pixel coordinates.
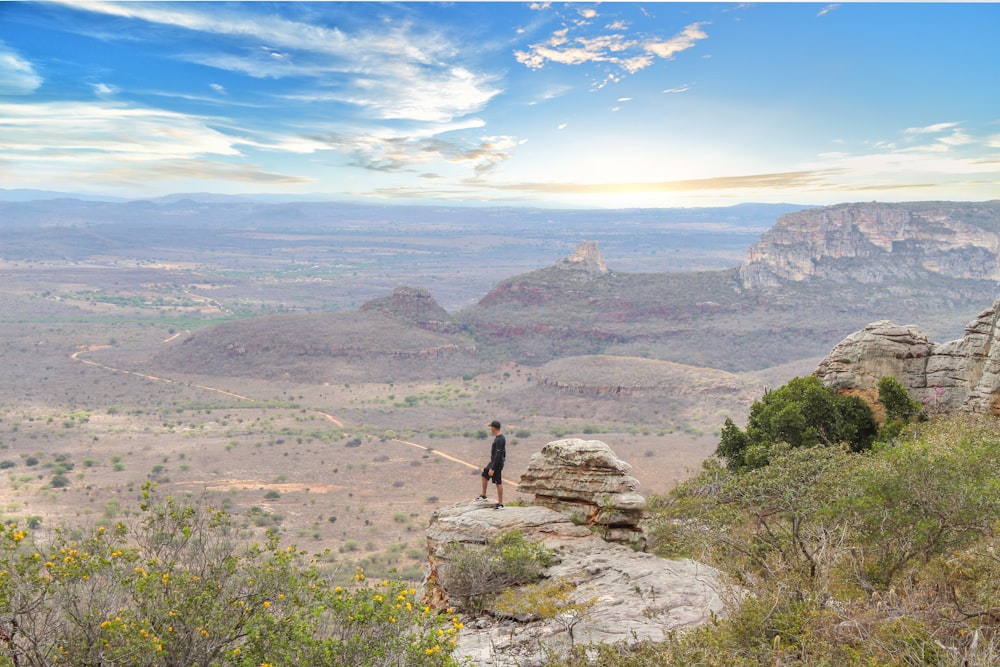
(493, 470)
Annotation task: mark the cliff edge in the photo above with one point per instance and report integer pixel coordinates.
(870, 243)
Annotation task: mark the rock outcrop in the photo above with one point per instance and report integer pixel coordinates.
(869, 243)
(632, 596)
(585, 480)
(416, 305)
(587, 257)
(959, 375)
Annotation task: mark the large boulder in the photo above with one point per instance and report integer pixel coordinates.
(962, 375)
(630, 596)
(585, 480)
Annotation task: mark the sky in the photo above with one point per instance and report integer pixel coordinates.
(591, 105)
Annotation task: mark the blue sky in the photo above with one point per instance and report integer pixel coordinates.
(540, 104)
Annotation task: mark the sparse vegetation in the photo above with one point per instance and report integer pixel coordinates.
(474, 576)
(175, 587)
(878, 558)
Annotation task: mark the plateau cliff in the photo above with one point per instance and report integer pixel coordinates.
(870, 243)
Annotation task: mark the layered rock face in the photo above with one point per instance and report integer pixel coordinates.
(633, 596)
(584, 479)
(871, 242)
(959, 375)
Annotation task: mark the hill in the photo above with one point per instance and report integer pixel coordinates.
(714, 319)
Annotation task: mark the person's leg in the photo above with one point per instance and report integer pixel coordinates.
(483, 494)
(499, 494)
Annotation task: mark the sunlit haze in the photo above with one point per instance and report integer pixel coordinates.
(540, 104)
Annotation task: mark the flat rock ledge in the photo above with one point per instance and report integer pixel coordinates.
(636, 596)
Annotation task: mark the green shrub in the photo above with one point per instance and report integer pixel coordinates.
(178, 588)
(802, 413)
(472, 576)
(883, 558)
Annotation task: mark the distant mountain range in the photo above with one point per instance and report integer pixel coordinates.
(711, 319)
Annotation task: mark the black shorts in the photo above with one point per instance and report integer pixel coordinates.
(497, 479)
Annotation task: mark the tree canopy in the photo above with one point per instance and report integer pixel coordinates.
(802, 413)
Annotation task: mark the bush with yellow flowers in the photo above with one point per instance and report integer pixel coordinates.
(177, 588)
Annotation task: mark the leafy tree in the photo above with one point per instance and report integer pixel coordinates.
(802, 413)
(899, 408)
(895, 399)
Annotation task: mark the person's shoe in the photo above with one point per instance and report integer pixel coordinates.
(499, 506)
(480, 497)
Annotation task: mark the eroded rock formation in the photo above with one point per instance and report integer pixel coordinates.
(587, 257)
(584, 479)
(959, 375)
(869, 243)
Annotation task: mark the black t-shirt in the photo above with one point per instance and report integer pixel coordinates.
(498, 452)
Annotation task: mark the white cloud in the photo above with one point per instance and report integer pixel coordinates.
(683, 41)
(434, 97)
(219, 88)
(930, 129)
(935, 160)
(631, 54)
(106, 129)
(104, 89)
(17, 75)
(829, 8)
(392, 70)
(679, 89)
(562, 126)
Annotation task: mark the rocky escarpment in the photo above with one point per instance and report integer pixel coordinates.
(584, 479)
(582, 270)
(870, 243)
(959, 375)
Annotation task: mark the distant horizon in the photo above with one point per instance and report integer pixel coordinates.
(37, 195)
(538, 104)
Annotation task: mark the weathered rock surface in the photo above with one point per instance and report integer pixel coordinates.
(587, 257)
(959, 375)
(869, 243)
(584, 479)
(635, 596)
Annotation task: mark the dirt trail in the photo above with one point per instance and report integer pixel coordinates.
(87, 348)
(506, 482)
